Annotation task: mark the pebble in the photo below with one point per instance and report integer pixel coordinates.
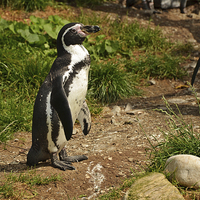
(87, 176)
(135, 112)
(163, 108)
(191, 40)
(128, 107)
(116, 110)
(109, 158)
(185, 169)
(130, 159)
(177, 101)
(152, 82)
(113, 121)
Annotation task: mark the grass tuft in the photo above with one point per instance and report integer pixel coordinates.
(9, 187)
(178, 139)
(109, 83)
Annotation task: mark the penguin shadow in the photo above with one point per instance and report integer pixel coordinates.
(21, 167)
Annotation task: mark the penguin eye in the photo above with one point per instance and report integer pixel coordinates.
(73, 30)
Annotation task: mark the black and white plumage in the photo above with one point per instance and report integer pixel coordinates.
(196, 69)
(61, 100)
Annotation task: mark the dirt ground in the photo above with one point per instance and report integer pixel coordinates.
(116, 145)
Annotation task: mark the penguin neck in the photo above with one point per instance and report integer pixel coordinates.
(78, 52)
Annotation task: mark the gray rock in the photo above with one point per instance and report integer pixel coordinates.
(128, 107)
(163, 108)
(153, 186)
(152, 82)
(191, 40)
(113, 121)
(185, 169)
(135, 112)
(177, 101)
(116, 110)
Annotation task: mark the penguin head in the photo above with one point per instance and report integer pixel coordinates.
(73, 34)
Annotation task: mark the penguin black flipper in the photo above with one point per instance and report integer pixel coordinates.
(84, 117)
(195, 72)
(60, 104)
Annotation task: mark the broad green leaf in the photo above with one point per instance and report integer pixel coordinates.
(50, 29)
(3, 24)
(37, 20)
(58, 20)
(99, 38)
(111, 46)
(32, 38)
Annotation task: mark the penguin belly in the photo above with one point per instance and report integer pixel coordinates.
(78, 90)
(76, 97)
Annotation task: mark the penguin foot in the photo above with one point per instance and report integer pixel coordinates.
(75, 158)
(64, 157)
(63, 165)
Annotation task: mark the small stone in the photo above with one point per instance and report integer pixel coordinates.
(163, 108)
(196, 47)
(152, 82)
(130, 159)
(14, 162)
(191, 40)
(113, 121)
(135, 112)
(128, 107)
(23, 162)
(116, 110)
(75, 131)
(177, 101)
(109, 158)
(193, 64)
(85, 145)
(185, 169)
(16, 140)
(87, 176)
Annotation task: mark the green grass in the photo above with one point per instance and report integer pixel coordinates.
(108, 83)
(179, 138)
(27, 53)
(26, 4)
(9, 189)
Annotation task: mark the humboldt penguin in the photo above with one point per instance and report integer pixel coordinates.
(195, 72)
(61, 100)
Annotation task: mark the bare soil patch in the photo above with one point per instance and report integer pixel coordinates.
(116, 145)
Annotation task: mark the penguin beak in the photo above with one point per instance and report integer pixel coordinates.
(90, 29)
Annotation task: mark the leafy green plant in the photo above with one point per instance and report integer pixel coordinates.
(101, 48)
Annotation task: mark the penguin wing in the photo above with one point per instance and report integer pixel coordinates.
(60, 104)
(195, 72)
(84, 117)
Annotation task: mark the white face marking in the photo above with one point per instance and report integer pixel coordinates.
(51, 145)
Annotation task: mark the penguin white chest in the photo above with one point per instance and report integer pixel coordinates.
(79, 83)
(77, 92)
